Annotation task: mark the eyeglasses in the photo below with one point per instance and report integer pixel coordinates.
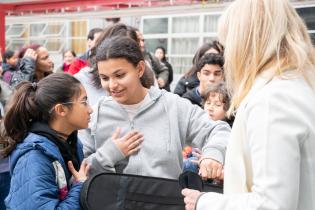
(84, 102)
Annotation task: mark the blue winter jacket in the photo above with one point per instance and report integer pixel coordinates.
(34, 166)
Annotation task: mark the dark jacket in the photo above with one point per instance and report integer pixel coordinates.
(25, 72)
(186, 83)
(85, 56)
(5, 92)
(40, 177)
(193, 96)
(158, 67)
(7, 72)
(170, 75)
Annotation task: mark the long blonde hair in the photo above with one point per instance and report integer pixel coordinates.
(261, 35)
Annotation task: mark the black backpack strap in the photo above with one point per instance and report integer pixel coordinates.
(145, 198)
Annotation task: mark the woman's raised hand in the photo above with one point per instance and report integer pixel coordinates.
(128, 144)
(30, 53)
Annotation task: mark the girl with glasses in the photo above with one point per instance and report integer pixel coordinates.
(45, 152)
(41, 127)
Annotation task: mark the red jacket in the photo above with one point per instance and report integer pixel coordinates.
(77, 65)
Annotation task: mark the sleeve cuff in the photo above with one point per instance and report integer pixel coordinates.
(213, 154)
(205, 199)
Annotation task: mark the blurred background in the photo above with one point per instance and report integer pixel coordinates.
(180, 26)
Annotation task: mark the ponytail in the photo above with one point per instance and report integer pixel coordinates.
(6, 143)
(22, 111)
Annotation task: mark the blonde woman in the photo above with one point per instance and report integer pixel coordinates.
(270, 162)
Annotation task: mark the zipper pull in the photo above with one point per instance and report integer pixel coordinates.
(132, 125)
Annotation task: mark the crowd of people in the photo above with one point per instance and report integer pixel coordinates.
(112, 110)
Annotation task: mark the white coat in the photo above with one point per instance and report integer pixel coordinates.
(270, 160)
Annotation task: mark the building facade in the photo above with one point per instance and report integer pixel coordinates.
(181, 29)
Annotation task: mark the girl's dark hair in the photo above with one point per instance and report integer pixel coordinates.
(223, 94)
(120, 47)
(212, 59)
(164, 52)
(69, 50)
(118, 29)
(7, 55)
(32, 46)
(201, 51)
(6, 143)
(92, 33)
(33, 101)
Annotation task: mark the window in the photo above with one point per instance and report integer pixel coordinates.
(55, 36)
(209, 39)
(181, 64)
(16, 44)
(308, 14)
(54, 29)
(15, 30)
(78, 34)
(313, 37)
(155, 26)
(38, 41)
(211, 23)
(185, 24)
(187, 46)
(54, 45)
(181, 35)
(78, 45)
(151, 44)
(36, 29)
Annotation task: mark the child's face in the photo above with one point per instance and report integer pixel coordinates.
(159, 54)
(68, 57)
(79, 115)
(215, 107)
(13, 60)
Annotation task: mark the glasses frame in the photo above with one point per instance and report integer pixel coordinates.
(84, 102)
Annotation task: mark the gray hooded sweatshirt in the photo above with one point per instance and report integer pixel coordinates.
(167, 123)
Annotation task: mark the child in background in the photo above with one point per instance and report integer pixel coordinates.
(68, 57)
(216, 102)
(9, 64)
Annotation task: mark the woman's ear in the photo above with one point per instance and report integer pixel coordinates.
(141, 68)
(60, 110)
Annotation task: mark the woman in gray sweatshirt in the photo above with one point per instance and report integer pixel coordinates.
(166, 121)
